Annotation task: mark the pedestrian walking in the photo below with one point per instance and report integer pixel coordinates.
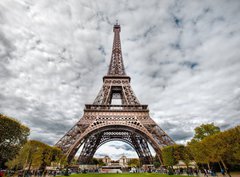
(54, 173)
(205, 172)
(20, 173)
(1, 173)
(223, 171)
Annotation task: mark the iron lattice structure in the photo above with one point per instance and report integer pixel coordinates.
(116, 114)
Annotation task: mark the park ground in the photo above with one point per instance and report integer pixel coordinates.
(233, 174)
(124, 175)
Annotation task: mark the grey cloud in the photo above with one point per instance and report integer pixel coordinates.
(180, 135)
(101, 154)
(189, 64)
(41, 136)
(123, 146)
(178, 130)
(6, 48)
(5, 73)
(224, 126)
(12, 102)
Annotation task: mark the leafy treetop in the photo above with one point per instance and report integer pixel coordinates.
(205, 130)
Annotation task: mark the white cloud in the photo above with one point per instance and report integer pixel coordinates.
(115, 150)
(183, 58)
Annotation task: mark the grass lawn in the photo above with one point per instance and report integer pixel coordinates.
(123, 175)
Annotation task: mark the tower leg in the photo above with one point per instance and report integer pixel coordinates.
(89, 148)
(142, 149)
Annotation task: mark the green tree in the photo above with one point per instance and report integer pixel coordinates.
(224, 147)
(156, 164)
(13, 136)
(35, 155)
(168, 156)
(58, 156)
(187, 156)
(219, 147)
(231, 138)
(201, 151)
(134, 163)
(237, 152)
(173, 154)
(94, 161)
(205, 130)
(183, 153)
(101, 163)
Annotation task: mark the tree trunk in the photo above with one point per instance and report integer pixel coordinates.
(197, 167)
(224, 165)
(220, 165)
(225, 168)
(29, 166)
(208, 166)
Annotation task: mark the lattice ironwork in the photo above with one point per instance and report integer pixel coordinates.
(116, 66)
(104, 121)
(96, 140)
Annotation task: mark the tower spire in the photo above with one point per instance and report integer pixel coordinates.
(116, 66)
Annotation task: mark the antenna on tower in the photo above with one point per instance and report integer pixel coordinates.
(116, 22)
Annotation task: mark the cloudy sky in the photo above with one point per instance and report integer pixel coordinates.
(183, 58)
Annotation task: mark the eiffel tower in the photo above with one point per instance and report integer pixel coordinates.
(115, 115)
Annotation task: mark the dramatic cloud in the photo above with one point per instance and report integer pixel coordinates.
(115, 150)
(125, 147)
(183, 58)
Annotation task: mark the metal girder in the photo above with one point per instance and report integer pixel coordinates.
(98, 139)
(103, 121)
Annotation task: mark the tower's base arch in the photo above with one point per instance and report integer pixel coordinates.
(131, 136)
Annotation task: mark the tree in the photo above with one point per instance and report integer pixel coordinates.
(13, 136)
(199, 152)
(224, 146)
(219, 147)
(173, 154)
(187, 156)
(231, 139)
(237, 152)
(101, 163)
(205, 130)
(134, 163)
(36, 155)
(168, 156)
(94, 161)
(58, 156)
(156, 164)
(183, 153)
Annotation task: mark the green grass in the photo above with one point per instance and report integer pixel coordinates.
(123, 175)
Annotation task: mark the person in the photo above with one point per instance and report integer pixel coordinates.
(39, 173)
(228, 172)
(223, 171)
(1, 173)
(196, 171)
(20, 173)
(213, 172)
(205, 172)
(54, 173)
(190, 171)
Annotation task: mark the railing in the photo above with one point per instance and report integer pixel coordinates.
(116, 107)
